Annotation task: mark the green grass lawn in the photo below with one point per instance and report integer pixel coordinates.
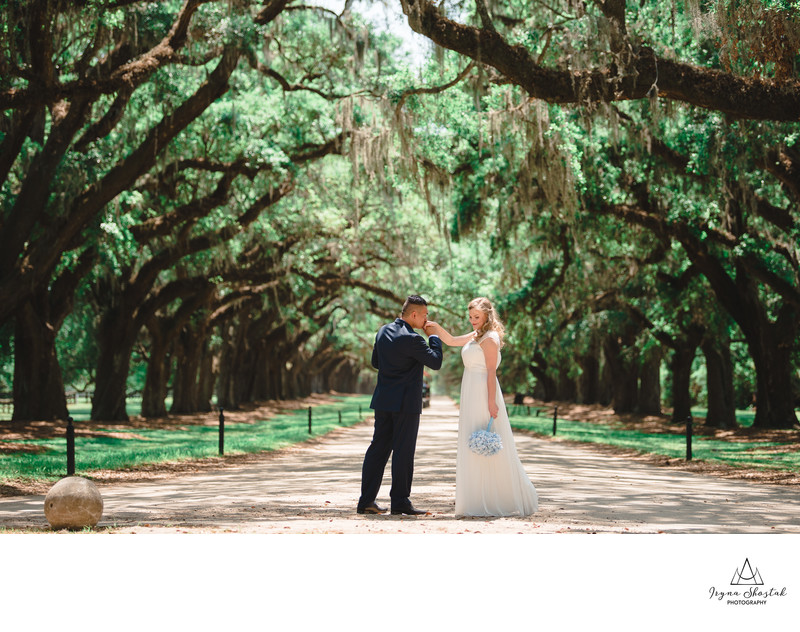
(744, 418)
(82, 411)
(759, 454)
(171, 444)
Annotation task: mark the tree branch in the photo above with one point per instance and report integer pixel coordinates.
(433, 89)
(483, 12)
(128, 75)
(750, 97)
(165, 224)
(785, 289)
(271, 11)
(30, 267)
(284, 83)
(107, 123)
(784, 164)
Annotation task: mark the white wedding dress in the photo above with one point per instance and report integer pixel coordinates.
(494, 485)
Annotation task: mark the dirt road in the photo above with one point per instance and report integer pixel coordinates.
(314, 488)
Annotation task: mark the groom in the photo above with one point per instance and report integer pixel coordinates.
(399, 355)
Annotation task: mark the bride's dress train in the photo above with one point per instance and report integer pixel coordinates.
(488, 485)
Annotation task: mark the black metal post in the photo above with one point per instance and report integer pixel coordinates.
(309, 420)
(340, 416)
(70, 447)
(689, 438)
(555, 417)
(359, 412)
(528, 410)
(221, 431)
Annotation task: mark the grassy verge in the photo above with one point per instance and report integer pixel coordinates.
(775, 455)
(141, 446)
(82, 410)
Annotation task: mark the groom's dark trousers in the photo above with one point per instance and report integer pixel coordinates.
(400, 355)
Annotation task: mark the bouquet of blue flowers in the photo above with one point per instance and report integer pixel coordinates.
(485, 442)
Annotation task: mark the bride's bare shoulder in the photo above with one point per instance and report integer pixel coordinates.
(490, 335)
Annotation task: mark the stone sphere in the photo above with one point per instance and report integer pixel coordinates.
(73, 503)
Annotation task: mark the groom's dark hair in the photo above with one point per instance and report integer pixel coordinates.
(412, 300)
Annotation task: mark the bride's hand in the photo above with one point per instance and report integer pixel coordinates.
(431, 327)
(494, 409)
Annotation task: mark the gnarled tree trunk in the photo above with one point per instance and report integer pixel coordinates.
(38, 382)
(589, 380)
(546, 388)
(650, 385)
(681, 369)
(624, 372)
(185, 388)
(116, 336)
(719, 371)
(154, 393)
(38, 385)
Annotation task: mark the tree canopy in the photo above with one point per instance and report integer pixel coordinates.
(206, 200)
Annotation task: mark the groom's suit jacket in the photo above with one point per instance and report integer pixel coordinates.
(400, 354)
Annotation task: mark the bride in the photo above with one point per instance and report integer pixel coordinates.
(494, 485)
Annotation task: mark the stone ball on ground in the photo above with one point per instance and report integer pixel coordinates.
(73, 503)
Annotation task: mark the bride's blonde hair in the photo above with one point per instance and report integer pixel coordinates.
(493, 322)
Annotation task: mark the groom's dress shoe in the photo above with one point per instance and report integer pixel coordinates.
(371, 508)
(408, 510)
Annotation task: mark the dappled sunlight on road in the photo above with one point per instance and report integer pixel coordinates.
(575, 484)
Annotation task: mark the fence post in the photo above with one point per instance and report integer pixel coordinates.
(359, 412)
(340, 417)
(221, 431)
(70, 447)
(689, 438)
(309, 420)
(555, 417)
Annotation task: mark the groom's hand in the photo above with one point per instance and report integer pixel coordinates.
(430, 327)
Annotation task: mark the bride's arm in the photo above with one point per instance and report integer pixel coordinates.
(435, 329)
(489, 347)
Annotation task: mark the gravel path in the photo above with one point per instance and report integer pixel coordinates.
(313, 488)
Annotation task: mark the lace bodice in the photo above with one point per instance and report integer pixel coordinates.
(472, 354)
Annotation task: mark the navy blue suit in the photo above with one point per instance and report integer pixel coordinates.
(400, 355)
